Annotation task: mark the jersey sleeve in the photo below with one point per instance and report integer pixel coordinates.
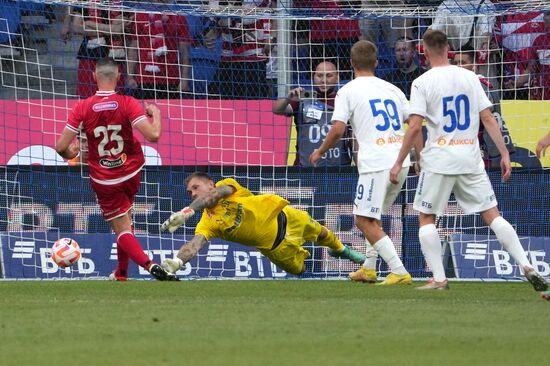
(74, 121)
(418, 103)
(135, 111)
(240, 191)
(342, 110)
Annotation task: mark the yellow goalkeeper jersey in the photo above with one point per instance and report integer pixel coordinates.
(242, 217)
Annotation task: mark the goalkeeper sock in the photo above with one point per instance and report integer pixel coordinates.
(372, 256)
(509, 240)
(331, 242)
(431, 247)
(129, 244)
(386, 250)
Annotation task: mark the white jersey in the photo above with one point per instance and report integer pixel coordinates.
(450, 98)
(376, 111)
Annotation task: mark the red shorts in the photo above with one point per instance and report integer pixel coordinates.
(118, 199)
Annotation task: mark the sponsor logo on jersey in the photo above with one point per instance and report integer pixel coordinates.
(113, 163)
(105, 106)
(442, 141)
(380, 141)
(461, 142)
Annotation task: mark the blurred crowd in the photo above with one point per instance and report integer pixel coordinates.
(164, 55)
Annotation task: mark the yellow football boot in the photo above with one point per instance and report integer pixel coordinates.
(363, 275)
(395, 279)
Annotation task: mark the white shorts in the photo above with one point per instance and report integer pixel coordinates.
(375, 193)
(473, 192)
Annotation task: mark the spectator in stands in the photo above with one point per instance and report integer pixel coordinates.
(158, 56)
(331, 39)
(102, 30)
(312, 112)
(466, 58)
(516, 33)
(205, 51)
(407, 67)
(372, 26)
(470, 23)
(539, 64)
(242, 71)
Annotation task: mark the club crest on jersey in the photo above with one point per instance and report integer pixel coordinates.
(105, 106)
(113, 163)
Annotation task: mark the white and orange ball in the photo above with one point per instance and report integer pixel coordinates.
(65, 252)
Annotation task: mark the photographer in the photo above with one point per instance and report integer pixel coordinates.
(312, 112)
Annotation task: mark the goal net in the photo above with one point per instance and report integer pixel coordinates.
(220, 72)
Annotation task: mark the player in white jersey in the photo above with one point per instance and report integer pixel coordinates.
(452, 101)
(376, 111)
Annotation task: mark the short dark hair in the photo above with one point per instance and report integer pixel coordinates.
(435, 41)
(364, 55)
(468, 51)
(201, 175)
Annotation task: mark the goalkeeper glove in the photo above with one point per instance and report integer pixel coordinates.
(177, 219)
(172, 265)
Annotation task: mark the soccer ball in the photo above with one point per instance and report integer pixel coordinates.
(65, 252)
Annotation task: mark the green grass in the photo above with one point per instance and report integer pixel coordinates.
(270, 323)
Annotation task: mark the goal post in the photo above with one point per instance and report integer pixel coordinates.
(215, 70)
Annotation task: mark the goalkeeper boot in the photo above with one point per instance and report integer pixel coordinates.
(538, 282)
(363, 275)
(348, 253)
(160, 274)
(434, 285)
(395, 279)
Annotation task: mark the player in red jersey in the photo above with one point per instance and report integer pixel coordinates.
(115, 158)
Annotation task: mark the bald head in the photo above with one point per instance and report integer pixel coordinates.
(325, 76)
(106, 71)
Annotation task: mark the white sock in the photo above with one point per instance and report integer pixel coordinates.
(508, 237)
(431, 247)
(372, 256)
(385, 248)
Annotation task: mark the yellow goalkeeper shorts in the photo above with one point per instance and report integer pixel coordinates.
(290, 255)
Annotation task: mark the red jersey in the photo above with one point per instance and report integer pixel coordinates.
(541, 53)
(158, 37)
(107, 118)
(329, 29)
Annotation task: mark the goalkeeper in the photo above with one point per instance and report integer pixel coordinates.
(266, 222)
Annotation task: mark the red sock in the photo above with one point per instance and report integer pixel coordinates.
(129, 244)
(122, 267)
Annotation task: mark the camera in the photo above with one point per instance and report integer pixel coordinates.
(308, 94)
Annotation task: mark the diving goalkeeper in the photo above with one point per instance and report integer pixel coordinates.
(265, 221)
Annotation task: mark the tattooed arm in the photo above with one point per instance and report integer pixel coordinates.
(211, 199)
(191, 248)
(207, 200)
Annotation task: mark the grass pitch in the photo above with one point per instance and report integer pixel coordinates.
(270, 323)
